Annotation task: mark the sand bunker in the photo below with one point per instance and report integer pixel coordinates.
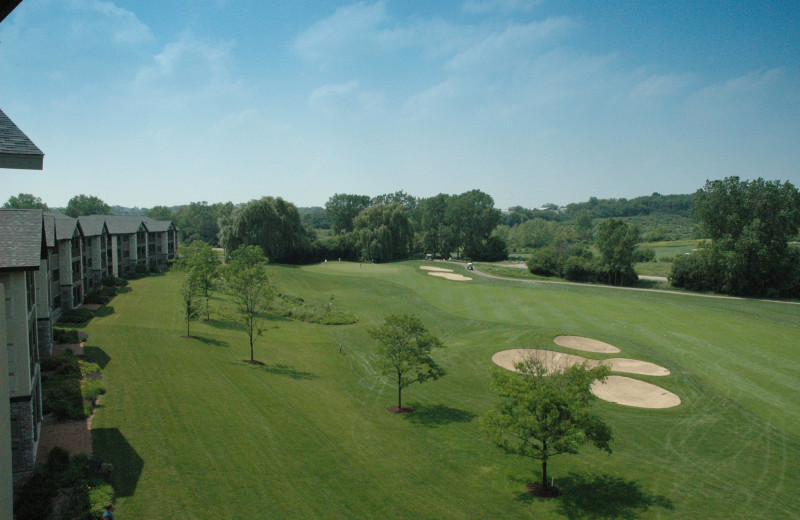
(438, 269)
(558, 360)
(585, 344)
(450, 276)
(632, 392)
(617, 389)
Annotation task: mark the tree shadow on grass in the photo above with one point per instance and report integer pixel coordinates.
(605, 497)
(212, 341)
(123, 290)
(286, 370)
(96, 355)
(105, 310)
(435, 415)
(114, 448)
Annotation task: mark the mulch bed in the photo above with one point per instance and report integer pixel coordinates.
(402, 409)
(538, 490)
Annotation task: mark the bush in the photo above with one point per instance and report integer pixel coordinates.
(63, 336)
(66, 393)
(100, 494)
(76, 316)
(644, 254)
(100, 295)
(111, 281)
(58, 460)
(35, 499)
(581, 269)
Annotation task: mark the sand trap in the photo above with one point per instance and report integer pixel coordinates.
(450, 276)
(617, 389)
(585, 344)
(559, 360)
(438, 269)
(632, 392)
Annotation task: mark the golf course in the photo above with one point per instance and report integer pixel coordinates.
(192, 431)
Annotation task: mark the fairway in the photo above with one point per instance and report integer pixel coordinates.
(194, 432)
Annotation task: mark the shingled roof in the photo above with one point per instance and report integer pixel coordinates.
(156, 226)
(23, 234)
(65, 226)
(92, 225)
(16, 150)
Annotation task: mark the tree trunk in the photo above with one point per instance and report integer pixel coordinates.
(399, 392)
(544, 474)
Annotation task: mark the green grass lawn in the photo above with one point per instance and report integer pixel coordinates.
(194, 432)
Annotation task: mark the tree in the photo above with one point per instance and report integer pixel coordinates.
(189, 289)
(616, 242)
(272, 224)
(82, 205)
(160, 213)
(437, 235)
(201, 221)
(201, 263)
(404, 352)
(343, 209)
(544, 413)
(384, 232)
(473, 217)
(247, 280)
(750, 224)
(25, 201)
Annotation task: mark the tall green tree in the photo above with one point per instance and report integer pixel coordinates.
(473, 217)
(404, 352)
(750, 224)
(247, 280)
(202, 264)
(343, 209)
(189, 291)
(544, 413)
(201, 220)
(616, 241)
(82, 205)
(160, 213)
(25, 201)
(272, 224)
(384, 233)
(436, 232)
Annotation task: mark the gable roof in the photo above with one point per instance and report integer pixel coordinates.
(122, 224)
(92, 225)
(156, 226)
(65, 226)
(16, 150)
(23, 233)
(49, 229)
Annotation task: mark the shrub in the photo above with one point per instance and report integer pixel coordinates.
(65, 336)
(111, 281)
(58, 460)
(35, 499)
(644, 254)
(100, 494)
(76, 316)
(100, 295)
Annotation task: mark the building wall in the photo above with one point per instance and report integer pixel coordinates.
(6, 475)
(44, 310)
(24, 377)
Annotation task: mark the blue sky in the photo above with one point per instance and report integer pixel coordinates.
(145, 103)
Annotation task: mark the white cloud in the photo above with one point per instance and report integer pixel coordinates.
(659, 86)
(345, 97)
(351, 23)
(731, 98)
(106, 18)
(191, 66)
(516, 42)
(502, 6)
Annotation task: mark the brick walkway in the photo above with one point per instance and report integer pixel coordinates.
(73, 436)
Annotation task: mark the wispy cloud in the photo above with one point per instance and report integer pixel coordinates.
(96, 18)
(345, 98)
(501, 6)
(190, 67)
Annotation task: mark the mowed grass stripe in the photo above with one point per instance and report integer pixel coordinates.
(307, 436)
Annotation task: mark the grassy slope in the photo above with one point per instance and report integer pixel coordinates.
(195, 432)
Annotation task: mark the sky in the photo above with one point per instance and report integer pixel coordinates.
(146, 103)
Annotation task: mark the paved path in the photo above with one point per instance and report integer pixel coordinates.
(618, 288)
